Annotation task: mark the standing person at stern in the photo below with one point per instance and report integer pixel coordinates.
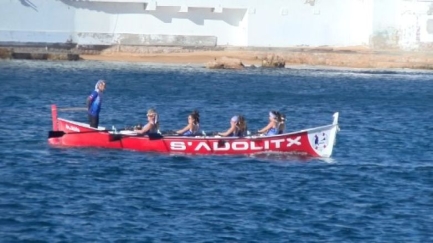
(94, 103)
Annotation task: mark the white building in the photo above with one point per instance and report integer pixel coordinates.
(401, 24)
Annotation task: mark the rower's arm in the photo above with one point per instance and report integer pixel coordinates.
(145, 128)
(88, 102)
(183, 130)
(228, 132)
(91, 98)
(265, 129)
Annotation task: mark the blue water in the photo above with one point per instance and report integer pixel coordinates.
(377, 187)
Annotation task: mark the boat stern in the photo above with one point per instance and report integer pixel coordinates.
(322, 139)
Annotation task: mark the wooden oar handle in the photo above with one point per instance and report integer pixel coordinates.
(73, 109)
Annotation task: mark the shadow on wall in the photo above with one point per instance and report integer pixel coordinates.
(165, 14)
(311, 2)
(199, 15)
(29, 4)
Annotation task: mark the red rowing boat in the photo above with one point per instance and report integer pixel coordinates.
(316, 142)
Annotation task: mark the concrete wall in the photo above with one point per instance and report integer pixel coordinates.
(311, 23)
(415, 23)
(382, 24)
(35, 21)
(403, 25)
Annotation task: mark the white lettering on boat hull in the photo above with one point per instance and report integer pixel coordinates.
(203, 145)
(240, 146)
(236, 145)
(277, 142)
(294, 141)
(254, 146)
(217, 146)
(178, 146)
(266, 145)
(72, 128)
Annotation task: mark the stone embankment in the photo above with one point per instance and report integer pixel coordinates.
(360, 58)
(270, 61)
(232, 57)
(10, 53)
(235, 57)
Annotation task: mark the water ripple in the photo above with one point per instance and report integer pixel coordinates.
(376, 188)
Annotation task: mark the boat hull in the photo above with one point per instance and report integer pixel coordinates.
(316, 142)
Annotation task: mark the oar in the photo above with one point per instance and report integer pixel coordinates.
(58, 134)
(73, 109)
(151, 136)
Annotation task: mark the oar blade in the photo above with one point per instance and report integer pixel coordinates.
(155, 136)
(115, 137)
(55, 134)
(118, 137)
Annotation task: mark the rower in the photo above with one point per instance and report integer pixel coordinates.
(238, 127)
(282, 125)
(152, 125)
(273, 127)
(193, 126)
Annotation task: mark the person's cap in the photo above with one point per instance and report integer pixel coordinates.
(151, 112)
(272, 115)
(234, 119)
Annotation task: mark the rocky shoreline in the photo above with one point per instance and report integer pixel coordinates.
(226, 57)
(9, 53)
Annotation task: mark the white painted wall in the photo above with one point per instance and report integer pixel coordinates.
(35, 20)
(314, 23)
(412, 22)
(165, 20)
(274, 23)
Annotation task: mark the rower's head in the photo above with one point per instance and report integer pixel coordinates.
(242, 123)
(194, 117)
(273, 116)
(234, 120)
(100, 85)
(283, 117)
(152, 116)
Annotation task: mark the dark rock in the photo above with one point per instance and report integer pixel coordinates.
(225, 63)
(273, 61)
(5, 53)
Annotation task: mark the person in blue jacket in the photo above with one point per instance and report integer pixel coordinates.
(94, 102)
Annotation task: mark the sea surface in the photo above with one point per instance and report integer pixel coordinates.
(377, 187)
